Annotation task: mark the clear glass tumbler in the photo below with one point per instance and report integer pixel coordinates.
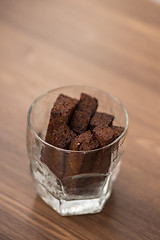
(69, 193)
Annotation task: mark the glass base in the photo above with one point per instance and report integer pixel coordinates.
(77, 206)
(72, 207)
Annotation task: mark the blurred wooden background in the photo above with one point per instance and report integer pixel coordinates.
(112, 45)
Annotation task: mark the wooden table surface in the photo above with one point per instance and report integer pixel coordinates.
(112, 45)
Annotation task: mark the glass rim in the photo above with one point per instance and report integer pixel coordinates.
(67, 150)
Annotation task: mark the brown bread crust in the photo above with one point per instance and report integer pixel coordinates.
(61, 137)
(83, 112)
(61, 112)
(58, 134)
(100, 118)
(83, 142)
(104, 134)
(79, 121)
(79, 163)
(117, 131)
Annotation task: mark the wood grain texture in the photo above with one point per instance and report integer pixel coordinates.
(113, 45)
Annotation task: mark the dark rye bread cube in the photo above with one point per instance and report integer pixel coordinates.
(97, 163)
(58, 134)
(79, 163)
(79, 121)
(84, 142)
(61, 137)
(117, 131)
(83, 112)
(51, 156)
(100, 118)
(87, 103)
(54, 159)
(64, 106)
(61, 112)
(105, 135)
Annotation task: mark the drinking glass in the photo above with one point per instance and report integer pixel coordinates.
(69, 193)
